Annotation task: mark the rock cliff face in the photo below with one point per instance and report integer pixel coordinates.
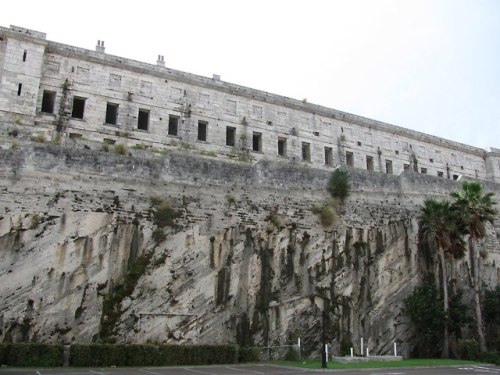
(246, 261)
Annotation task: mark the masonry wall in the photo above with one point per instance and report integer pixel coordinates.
(238, 121)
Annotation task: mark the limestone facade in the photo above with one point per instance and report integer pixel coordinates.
(63, 90)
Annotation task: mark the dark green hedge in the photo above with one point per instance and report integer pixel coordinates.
(151, 355)
(24, 355)
(30, 354)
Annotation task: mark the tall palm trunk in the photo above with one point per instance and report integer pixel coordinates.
(475, 260)
(446, 350)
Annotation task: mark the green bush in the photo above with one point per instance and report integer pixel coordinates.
(120, 149)
(31, 354)
(248, 354)
(292, 355)
(151, 355)
(165, 215)
(491, 357)
(470, 349)
(338, 185)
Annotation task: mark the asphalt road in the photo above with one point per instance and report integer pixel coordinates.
(253, 370)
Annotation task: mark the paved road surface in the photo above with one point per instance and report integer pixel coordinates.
(253, 370)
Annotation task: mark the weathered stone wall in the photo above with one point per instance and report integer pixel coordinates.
(310, 134)
(248, 261)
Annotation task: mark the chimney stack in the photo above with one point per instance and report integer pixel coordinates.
(100, 46)
(161, 60)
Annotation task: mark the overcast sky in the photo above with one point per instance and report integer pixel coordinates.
(427, 65)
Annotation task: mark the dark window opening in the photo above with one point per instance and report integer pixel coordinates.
(78, 107)
(230, 136)
(25, 54)
(349, 159)
(143, 119)
(406, 167)
(388, 167)
(440, 174)
(173, 125)
(423, 170)
(111, 113)
(359, 143)
(282, 146)
(19, 89)
(328, 156)
(48, 101)
(202, 130)
(369, 163)
(257, 142)
(431, 160)
(306, 151)
(455, 177)
(397, 152)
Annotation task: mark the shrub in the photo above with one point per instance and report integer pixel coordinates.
(338, 185)
(231, 199)
(13, 133)
(120, 149)
(248, 354)
(292, 354)
(159, 236)
(31, 354)
(165, 215)
(470, 349)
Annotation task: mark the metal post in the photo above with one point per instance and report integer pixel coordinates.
(323, 357)
(298, 345)
(395, 350)
(362, 348)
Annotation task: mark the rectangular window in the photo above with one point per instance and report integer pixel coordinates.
(423, 170)
(230, 135)
(440, 174)
(328, 156)
(111, 114)
(78, 107)
(143, 119)
(282, 146)
(230, 106)
(202, 130)
(173, 125)
(25, 54)
(257, 142)
(349, 159)
(19, 89)
(388, 167)
(48, 101)
(306, 151)
(369, 163)
(406, 167)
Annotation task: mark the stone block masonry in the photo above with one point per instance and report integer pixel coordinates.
(50, 86)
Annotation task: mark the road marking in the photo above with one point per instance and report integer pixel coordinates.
(147, 371)
(244, 370)
(97, 372)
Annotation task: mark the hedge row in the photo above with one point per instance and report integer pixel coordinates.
(117, 355)
(25, 355)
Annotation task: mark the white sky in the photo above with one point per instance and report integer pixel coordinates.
(427, 65)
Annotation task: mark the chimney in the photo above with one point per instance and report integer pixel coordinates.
(216, 77)
(100, 46)
(161, 60)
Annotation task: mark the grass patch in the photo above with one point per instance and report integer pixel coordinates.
(414, 362)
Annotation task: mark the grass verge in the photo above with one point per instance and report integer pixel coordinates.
(315, 364)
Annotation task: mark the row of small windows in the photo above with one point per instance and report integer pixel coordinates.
(111, 118)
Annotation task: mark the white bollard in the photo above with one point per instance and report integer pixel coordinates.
(362, 349)
(352, 353)
(367, 352)
(298, 346)
(326, 352)
(395, 350)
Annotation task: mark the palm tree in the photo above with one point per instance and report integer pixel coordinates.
(437, 227)
(476, 209)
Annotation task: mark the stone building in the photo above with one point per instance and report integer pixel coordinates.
(71, 93)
